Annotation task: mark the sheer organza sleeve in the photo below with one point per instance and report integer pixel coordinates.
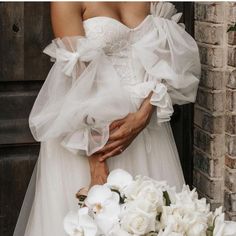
(75, 102)
(170, 58)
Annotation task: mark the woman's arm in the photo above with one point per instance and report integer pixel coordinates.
(67, 21)
(124, 131)
(66, 18)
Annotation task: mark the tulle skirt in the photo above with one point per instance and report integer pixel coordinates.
(59, 174)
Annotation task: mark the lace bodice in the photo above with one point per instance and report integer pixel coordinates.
(118, 40)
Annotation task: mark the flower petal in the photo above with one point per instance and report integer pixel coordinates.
(118, 179)
(71, 222)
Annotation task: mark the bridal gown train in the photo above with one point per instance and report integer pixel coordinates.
(96, 79)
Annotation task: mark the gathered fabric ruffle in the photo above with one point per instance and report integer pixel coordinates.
(170, 58)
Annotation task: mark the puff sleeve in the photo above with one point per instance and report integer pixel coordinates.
(170, 58)
(72, 105)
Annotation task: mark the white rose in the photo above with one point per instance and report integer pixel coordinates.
(140, 185)
(153, 195)
(138, 217)
(132, 190)
(136, 223)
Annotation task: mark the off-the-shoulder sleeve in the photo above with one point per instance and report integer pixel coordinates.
(72, 105)
(170, 57)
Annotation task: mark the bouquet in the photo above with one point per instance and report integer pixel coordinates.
(126, 206)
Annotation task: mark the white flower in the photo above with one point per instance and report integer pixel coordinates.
(118, 179)
(100, 197)
(117, 231)
(134, 189)
(186, 215)
(80, 224)
(218, 218)
(136, 223)
(230, 228)
(138, 217)
(153, 195)
(198, 228)
(105, 205)
(222, 227)
(184, 220)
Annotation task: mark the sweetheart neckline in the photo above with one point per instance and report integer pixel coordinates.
(119, 22)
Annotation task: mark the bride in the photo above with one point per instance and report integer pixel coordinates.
(106, 103)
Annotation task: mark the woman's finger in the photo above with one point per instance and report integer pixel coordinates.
(114, 152)
(115, 124)
(120, 133)
(111, 145)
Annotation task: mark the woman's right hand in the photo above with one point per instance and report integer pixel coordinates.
(98, 170)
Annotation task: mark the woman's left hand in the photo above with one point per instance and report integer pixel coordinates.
(124, 131)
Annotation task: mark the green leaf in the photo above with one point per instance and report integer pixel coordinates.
(167, 198)
(158, 217)
(209, 231)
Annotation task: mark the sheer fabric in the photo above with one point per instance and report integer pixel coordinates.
(97, 79)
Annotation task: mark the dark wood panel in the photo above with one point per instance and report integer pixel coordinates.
(25, 31)
(16, 166)
(16, 101)
(37, 36)
(12, 41)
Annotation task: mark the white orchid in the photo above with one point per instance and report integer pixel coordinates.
(80, 223)
(105, 205)
(118, 179)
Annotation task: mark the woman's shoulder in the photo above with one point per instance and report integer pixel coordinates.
(72, 6)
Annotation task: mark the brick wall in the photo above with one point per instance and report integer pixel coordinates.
(215, 108)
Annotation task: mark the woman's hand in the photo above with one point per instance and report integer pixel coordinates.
(124, 131)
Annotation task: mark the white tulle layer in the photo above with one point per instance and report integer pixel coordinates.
(60, 174)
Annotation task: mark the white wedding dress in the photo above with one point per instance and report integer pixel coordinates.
(97, 79)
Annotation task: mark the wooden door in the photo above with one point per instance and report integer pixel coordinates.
(25, 31)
